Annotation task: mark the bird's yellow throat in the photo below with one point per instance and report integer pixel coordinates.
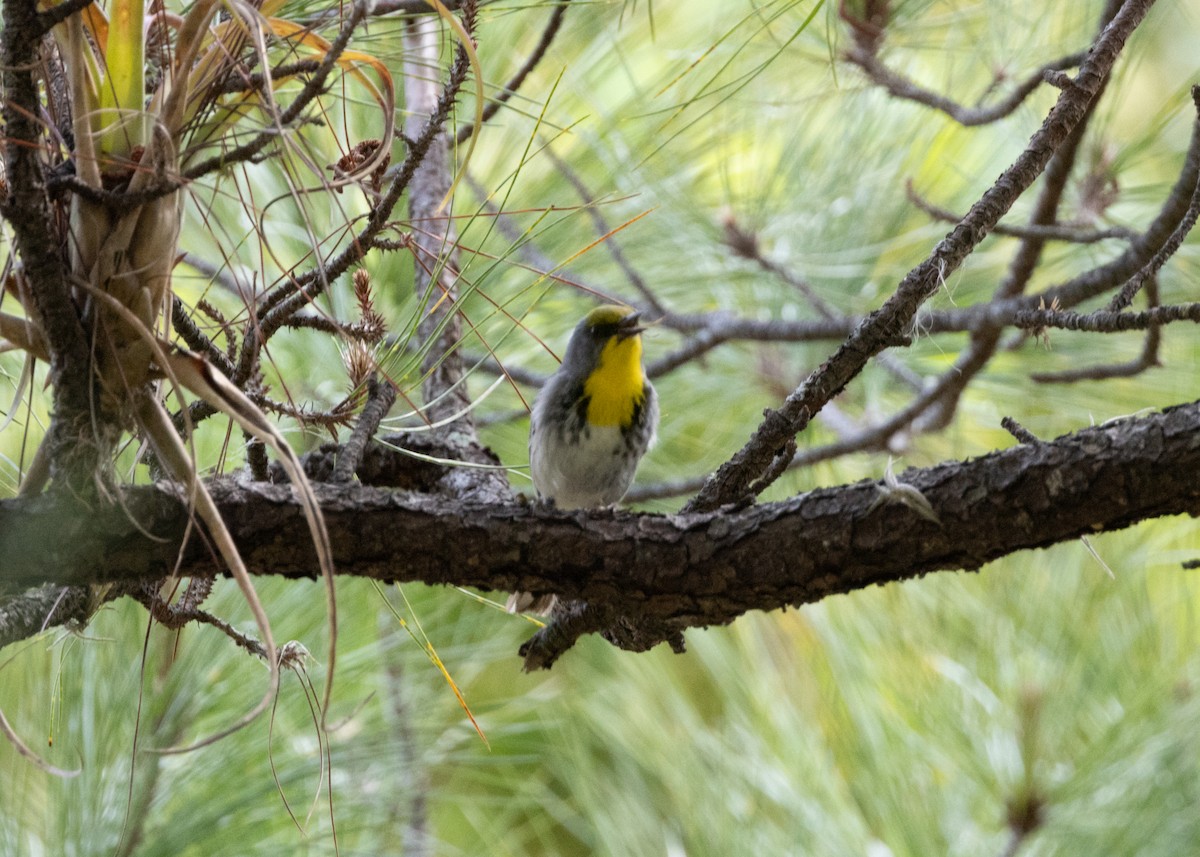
(616, 386)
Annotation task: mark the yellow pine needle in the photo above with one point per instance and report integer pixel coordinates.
(531, 619)
(604, 237)
(446, 295)
(431, 653)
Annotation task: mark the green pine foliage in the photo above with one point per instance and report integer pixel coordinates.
(933, 717)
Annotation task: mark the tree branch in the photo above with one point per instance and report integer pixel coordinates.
(518, 78)
(731, 482)
(36, 241)
(666, 571)
(899, 86)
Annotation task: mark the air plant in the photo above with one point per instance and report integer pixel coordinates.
(133, 132)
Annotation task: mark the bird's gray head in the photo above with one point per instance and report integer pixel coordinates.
(597, 329)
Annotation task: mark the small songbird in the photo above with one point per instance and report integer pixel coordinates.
(592, 422)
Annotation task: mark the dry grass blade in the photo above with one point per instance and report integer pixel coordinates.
(23, 334)
(156, 426)
(430, 652)
(205, 381)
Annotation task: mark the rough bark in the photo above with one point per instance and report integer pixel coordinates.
(688, 570)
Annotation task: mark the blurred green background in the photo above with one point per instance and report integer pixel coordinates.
(917, 719)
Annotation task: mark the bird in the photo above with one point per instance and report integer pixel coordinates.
(592, 422)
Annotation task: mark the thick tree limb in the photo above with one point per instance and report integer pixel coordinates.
(24, 204)
(665, 571)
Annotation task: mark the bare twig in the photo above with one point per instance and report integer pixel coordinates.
(1106, 321)
(190, 333)
(572, 620)
(1146, 360)
(733, 479)
(514, 83)
(381, 395)
(901, 87)
(1125, 297)
(1018, 431)
(986, 339)
(1071, 233)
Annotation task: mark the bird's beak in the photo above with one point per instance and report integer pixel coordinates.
(628, 326)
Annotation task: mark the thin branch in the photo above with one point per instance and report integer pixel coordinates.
(985, 340)
(1072, 234)
(745, 244)
(1089, 284)
(36, 241)
(731, 481)
(47, 606)
(517, 373)
(1125, 297)
(189, 332)
(59, 13)
(281, 303)
(175, 616)
(356, 330)
(878, 436)
(380, 398)
(901, 87)
(602, 226)
(390, 7)
(1106, 321)
(692, 349)
(1148, 359)
(574, 619)
(120, 201)
(1018, 431)
(514, 84)
(254, 81)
